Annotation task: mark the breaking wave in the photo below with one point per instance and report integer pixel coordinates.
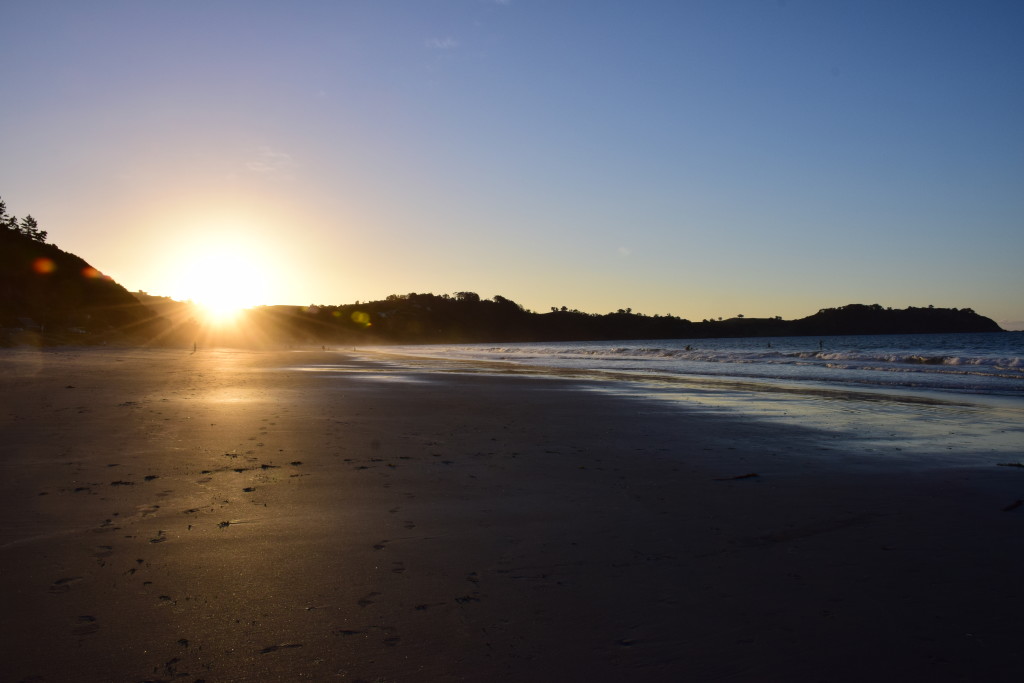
(977, 363)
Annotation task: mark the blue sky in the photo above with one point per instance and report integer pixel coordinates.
(705, 159)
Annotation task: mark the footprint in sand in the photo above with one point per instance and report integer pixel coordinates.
(63, 585)
(275, 648)
(346, 632)
(365, 601)
(86, 626)
(423, 607)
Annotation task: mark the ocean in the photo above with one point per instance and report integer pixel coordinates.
(981, 363)
(957, 397)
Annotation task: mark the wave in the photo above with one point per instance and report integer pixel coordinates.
(850, 359)
(990, 363)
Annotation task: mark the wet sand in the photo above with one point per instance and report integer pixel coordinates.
(226, 516)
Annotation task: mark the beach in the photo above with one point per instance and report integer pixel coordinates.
(232, 515)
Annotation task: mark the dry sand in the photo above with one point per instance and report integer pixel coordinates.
(224, 516)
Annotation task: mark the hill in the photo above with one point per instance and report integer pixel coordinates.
(466, 318)
(51, 296)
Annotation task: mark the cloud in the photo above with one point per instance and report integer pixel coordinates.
(442, 43)
(269, 161)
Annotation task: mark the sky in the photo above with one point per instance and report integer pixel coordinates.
(697, 158)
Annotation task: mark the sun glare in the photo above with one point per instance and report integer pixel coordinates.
(223, 280)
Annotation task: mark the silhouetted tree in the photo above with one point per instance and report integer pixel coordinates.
(26, 226)
(30, 228)
(7, 222)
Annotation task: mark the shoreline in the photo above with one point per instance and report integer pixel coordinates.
(939, 365)
(923, 417)
(417, 525)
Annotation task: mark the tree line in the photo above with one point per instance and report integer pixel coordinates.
(465, 317)
(27, 226)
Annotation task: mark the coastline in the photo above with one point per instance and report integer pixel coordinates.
(407, 524)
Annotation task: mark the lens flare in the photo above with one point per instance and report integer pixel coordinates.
(43, 265)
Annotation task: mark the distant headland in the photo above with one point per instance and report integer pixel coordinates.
(51, 297)
(466, 318)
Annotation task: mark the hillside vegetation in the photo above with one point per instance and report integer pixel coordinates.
(465, 318)
(51, 296)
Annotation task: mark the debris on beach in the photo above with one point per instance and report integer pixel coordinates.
(1010, 464)
(222, 525)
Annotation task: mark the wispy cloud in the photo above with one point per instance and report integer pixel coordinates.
(269, 161)
(442, 43)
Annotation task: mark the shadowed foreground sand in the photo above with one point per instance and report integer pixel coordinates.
(224, 516)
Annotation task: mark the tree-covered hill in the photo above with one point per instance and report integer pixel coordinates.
(467, 318)
(51, 296)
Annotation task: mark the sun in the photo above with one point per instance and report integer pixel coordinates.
(222, 280)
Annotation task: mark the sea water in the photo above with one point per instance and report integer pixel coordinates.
(956, 397)
(980, 363)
